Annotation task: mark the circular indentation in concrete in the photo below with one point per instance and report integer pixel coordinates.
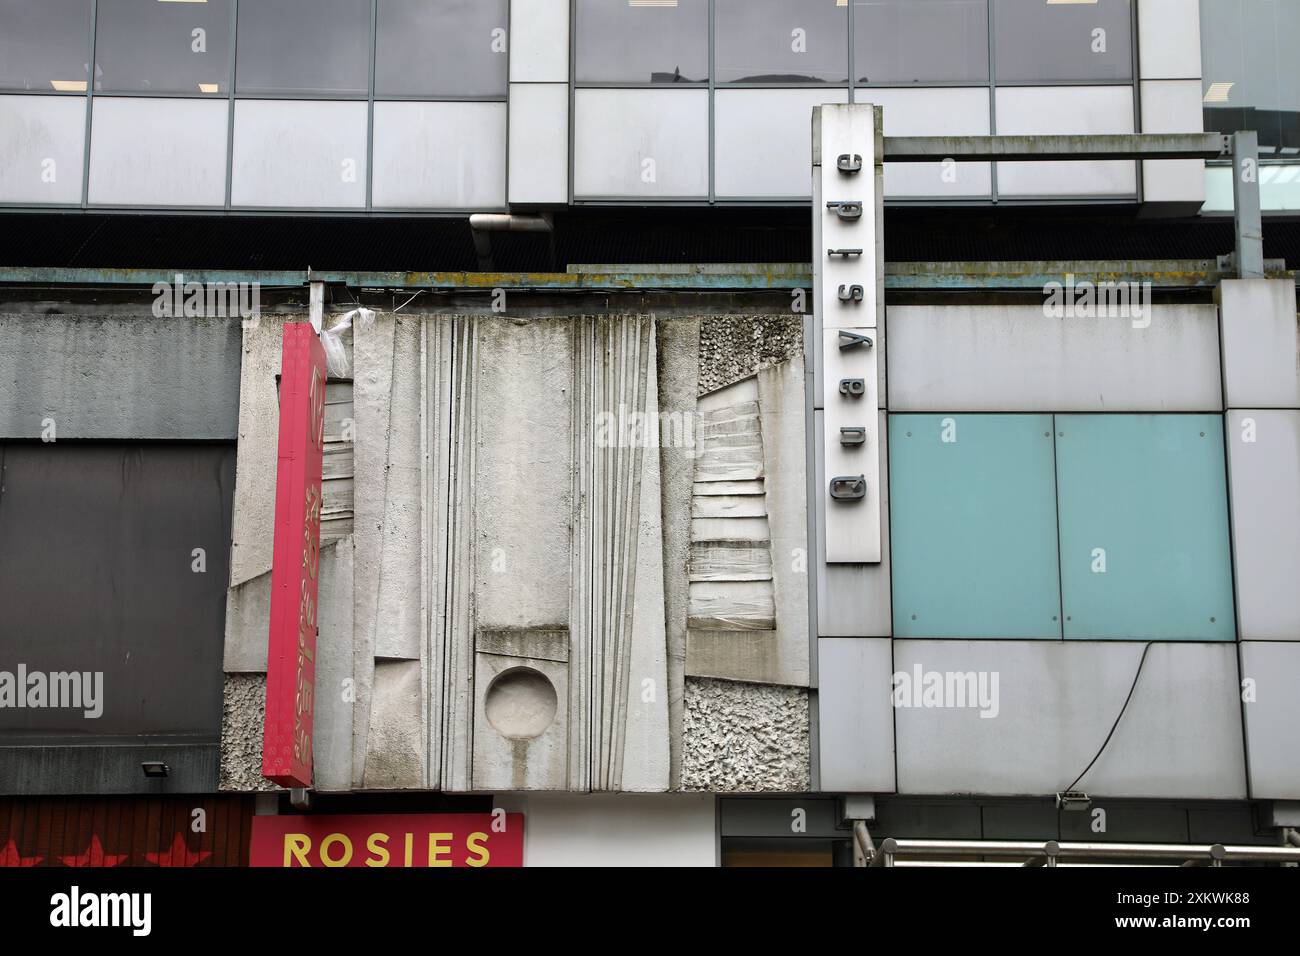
(521, 703)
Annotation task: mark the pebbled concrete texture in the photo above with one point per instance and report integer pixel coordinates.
(241, 733)
(733, 347)
(745, 738)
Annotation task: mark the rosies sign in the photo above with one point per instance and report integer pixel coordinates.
(295, 563)
(390, 839)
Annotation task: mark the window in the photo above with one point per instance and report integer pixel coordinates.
(44, 45)
(115, 524)
(450, 48)
(1251, 70)
(143, 46)
(1144, 527)
(642, 41)
(781, 41)
(303, 47)
(1038, 41)
(973, 519)
(921, 41)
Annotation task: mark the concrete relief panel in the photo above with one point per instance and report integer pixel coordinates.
(502, 620)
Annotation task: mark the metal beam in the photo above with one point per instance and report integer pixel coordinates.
(1028, 275)
(1248, 256)
(928, 149)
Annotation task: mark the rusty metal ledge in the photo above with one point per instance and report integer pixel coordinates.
(700, 277)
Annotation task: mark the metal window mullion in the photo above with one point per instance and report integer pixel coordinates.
(370, 106)
(713, 83)
(1135, 66)
(993, 95)
(852, 37)
(230, 99)
(90, 106)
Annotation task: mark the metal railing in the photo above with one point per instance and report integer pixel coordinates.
(1051, 852)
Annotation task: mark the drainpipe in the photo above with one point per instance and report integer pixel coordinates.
(482, 223)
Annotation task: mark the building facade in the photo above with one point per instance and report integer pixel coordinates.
(695, 484)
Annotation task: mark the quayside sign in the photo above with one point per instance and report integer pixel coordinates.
(389, 840)
(295, 561)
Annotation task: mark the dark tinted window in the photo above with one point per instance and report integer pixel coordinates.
(642, 41)
(447, 48)
(97, 574)
(921, 41)
(44, 44)
(777, 41)
(150, 47)
(1250, 64)
(1036, 41)
(304, 46)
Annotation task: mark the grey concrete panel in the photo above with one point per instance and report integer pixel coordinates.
(1021, 821)
(1261, 345)
(853, 600)
(1263, 448)
(1272, 718)
(925, 820)
(781, 412)
(780, 817)
(855, 719)
(124, 377)
(1017, 358)
(332, 737)
(1231, 823)
(1054, 706)
(28, 771)
(1123, 821)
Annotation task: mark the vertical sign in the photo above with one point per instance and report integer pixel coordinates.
(846, 287)
(291, 650)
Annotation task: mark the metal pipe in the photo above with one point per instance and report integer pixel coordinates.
(920, 149)
(885, 856)
(863, 849)
(1207, 853)
(509, 222)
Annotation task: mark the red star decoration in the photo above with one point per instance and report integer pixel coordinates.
(178, 854)
(11, 857)
(94, 855)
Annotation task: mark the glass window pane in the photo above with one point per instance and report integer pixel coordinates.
(642, 41)
(45, 45)
(450, 48)
(1037, 41)
(304, 46)
(781, 41)
(973, 526)
(1169, 573)
(921, 41)
(1251, 69)
(143, 46)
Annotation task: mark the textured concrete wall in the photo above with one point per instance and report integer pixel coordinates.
(733, 347)
(241, 733)
(740, 738)
(122, 375)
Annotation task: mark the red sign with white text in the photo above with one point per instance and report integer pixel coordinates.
(389, 839)
(295, 563)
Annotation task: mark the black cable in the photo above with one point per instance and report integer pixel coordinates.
(1118, 718)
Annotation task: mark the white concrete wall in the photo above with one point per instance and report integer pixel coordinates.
(616, 829)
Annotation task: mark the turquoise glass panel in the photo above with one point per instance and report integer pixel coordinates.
(973, 526)
(1144, 527)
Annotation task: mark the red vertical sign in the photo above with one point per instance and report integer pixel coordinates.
(291, 650)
